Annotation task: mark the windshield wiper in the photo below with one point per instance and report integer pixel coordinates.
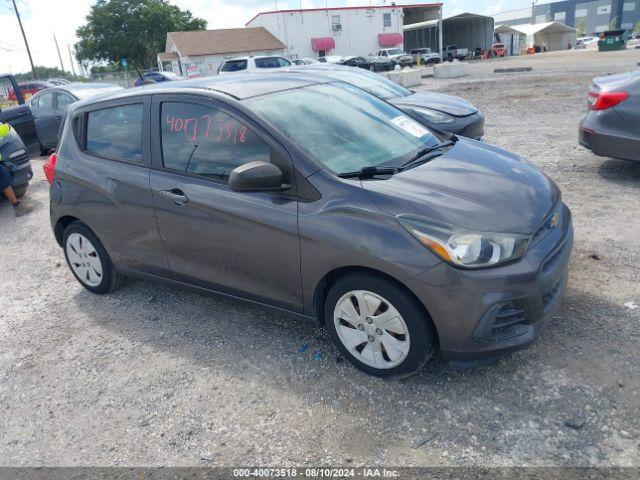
(370, 172)
(421, 155)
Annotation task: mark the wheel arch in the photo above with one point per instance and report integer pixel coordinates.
(61, 224)
(323, 286)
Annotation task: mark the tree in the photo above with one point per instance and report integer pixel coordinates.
(613, 24)
(131, 29)
(581, 27)
(46, 72)
(637, 29)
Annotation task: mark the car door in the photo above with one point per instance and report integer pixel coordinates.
(45, 118)
(62, 101)
(242, 244)
(16, 113)
(105, 182)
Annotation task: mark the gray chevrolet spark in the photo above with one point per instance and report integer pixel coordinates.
(316, 199)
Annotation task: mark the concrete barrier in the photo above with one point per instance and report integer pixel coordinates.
(409, 77)
(453, 69)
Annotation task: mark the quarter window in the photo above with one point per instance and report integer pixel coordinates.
(116, 132)
(206, 141)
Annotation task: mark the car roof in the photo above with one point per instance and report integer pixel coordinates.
(252, 56)
(239, 87)
(81, 90)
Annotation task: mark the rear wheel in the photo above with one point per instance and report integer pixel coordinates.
(88, 259)
(378, 325)
(372, 67)
(20, 190)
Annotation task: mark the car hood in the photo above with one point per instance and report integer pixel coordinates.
(455, 106)
(472, 186)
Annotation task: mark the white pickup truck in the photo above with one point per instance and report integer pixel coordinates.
(397, 56)
(452, 51)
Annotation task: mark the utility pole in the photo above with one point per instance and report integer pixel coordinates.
(73, 68)
(33, 69)
(58, 49)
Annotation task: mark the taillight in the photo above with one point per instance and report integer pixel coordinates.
(604, 100)
(50, 168)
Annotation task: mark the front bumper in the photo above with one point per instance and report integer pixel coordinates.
(492, 312)
(20, 170)
(606, 144)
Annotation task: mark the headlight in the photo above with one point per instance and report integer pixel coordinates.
(464, 248)
(435, 116)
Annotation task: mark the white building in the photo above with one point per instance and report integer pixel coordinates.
(200, 52)
(317, 32)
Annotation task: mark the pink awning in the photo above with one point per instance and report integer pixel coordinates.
(390, 39)
(322, 43)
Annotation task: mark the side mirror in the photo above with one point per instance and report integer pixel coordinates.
(256, 176)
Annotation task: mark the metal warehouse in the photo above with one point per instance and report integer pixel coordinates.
(466, 30)
(587, 17)
(318, 32)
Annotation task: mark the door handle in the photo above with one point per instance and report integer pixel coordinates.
(176, 196)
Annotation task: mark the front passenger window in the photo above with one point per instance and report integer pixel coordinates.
(206, 141)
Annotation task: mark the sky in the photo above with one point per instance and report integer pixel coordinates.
(44, 18)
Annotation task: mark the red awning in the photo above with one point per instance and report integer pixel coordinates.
(390, 39)
(322, 43)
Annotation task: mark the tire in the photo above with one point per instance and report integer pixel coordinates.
(372, 68)
(20, 190)
(391, 352)
(88, 260)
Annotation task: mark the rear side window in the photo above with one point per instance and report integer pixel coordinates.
(234, 66)
(206, 141)
(272, 62)
(64, 101)
(45, 100)
(116, 132)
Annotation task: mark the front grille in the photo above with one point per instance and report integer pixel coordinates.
(24, 158)
(501, 323)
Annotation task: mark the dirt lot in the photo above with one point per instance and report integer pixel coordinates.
(154, 376)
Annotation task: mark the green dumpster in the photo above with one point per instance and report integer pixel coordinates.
(612, 40)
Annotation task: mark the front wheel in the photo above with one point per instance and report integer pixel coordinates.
(88, 259)
(378, 325)
(372, 68)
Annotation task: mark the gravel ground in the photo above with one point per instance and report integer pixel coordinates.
(154, 376)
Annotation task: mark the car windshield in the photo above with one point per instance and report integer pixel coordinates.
(171, 75)
(395, 51)
(344, 128)
(370, 82)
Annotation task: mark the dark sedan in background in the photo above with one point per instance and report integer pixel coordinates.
(156, 77)
(49, 107)
(371, 63)
(438, 111)
(611, 127)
